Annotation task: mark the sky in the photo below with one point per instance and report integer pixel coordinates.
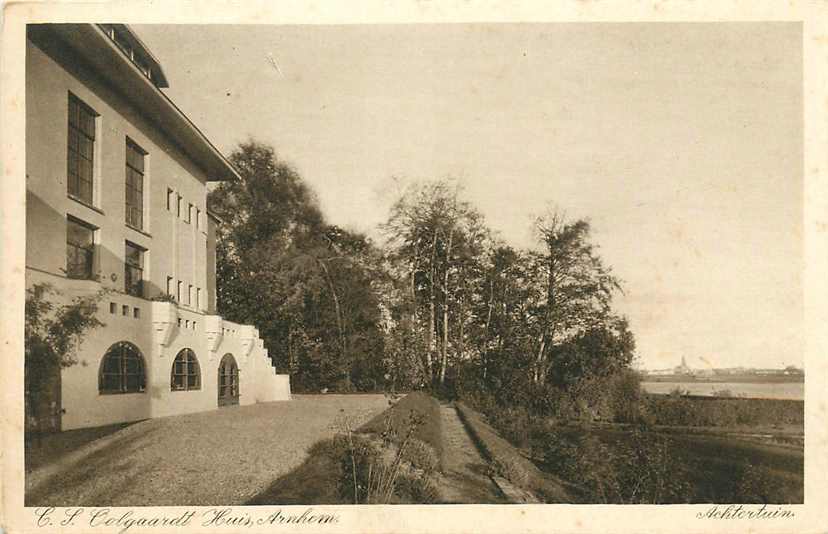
(682, 144)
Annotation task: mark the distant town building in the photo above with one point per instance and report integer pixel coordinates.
(682, 369)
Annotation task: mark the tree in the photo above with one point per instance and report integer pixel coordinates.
(52, 334)
(439, 239)
(578, 286)
(307, 284)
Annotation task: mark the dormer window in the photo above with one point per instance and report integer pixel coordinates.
(135, 51)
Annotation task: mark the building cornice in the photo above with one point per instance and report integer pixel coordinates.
(93, 45)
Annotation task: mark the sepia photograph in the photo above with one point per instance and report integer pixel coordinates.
(414, 264)
(280, 275)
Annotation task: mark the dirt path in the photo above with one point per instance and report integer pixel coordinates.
(464, 480)
(224, 456)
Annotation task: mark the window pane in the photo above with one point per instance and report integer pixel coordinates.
(84, 169)
(178, 382)
(85, 192)
(73, 170)
(73, 139)
(87, 123)
(81, 141)
(111, 382)
(122, 370)
(78, 234)
(192, 381)
(85, 147)
(73, 112)
(77, 267)
(112, 364)
(133, 365)
(135, 158)
(133, 255)
(133, 383)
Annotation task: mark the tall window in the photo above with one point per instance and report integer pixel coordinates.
(80, 249)
(134, 185)
(134, 270)
(122, 370)
(185, 372)
(81, 149)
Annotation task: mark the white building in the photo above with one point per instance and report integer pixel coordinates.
(116, 198)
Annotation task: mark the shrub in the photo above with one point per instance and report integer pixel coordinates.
(723, 393)
(625, 396)
(649, 472)
(640, 468)
(684, 411)
(417, 411)
(421, 456)
(388, 459)
(511, 423)
(52, 334)
(366, 477)
(418, 489)
(482, 401)
(757, 485)
(578, 456)
(512, 470)
(506, 461)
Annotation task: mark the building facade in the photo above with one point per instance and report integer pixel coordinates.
(117, 200)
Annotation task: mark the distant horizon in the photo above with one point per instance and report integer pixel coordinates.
(637, 365)
(682, 143)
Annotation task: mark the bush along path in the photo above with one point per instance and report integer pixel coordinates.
(516, 475)
(465, 478)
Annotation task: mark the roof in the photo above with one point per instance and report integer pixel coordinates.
(92, 44)
(137, 51)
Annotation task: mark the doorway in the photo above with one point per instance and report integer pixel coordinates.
(228, 381)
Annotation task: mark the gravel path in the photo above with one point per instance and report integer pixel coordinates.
(464, 480)
(224, 456)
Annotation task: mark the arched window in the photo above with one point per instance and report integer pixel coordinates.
(185, 372)
(228, 381)
(122, 370)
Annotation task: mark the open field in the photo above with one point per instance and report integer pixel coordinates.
(224, 456)
(754, 390)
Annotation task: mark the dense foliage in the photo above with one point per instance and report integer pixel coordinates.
(441, 303)
(52, 333)
(308, 285)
